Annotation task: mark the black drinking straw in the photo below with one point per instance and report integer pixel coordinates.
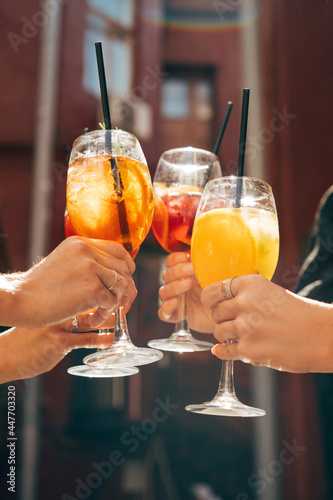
(118, 185)
(223, 127)
(242, 145)
(102, 84)
(220, 137)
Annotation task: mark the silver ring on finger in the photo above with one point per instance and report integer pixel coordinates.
(225, 288)
(75, 324)
(115, 282)
(231, 341)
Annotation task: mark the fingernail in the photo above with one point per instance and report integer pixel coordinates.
(215, 349)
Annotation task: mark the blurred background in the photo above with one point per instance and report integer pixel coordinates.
(171, 67)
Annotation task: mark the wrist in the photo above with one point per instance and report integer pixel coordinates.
(7, 368)
(11, 301)
(7, 300)
(324, 338)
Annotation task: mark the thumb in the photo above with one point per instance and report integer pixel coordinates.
(89, 340)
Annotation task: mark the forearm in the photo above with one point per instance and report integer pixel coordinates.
(321, 338)
(21, 354)
(272, 326)
(306, 334)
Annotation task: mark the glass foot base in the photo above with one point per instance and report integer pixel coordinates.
(90, 372)
(119, 357)
(181, 342)
(226, 407)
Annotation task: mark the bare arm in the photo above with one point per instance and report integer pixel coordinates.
(73, 279)
(27, 353)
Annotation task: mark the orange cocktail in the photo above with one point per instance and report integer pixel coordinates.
(110, 197)
(110, 205)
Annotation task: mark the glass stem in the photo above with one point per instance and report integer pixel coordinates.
(181, 324)
(121, 335)
(226, 385)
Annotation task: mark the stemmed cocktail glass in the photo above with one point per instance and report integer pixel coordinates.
(179, 180)
(89, 371)
(110, 196)
(235, 233)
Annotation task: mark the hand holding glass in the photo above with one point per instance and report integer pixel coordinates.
(179, 180)
(110, 196)
(235, 232)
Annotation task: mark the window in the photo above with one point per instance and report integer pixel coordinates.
(121, 11)
(110, 22)
(186, 94)
(175, 98)
(203, 12)
(203, 98)
(187, 107)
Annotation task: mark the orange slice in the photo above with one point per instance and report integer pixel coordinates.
(223, 246)
(94, 200)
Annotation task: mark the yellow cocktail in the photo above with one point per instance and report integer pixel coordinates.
(229, 242)
(235, 232)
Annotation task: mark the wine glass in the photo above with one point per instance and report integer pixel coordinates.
(102, 372)
(110, 196)
(90, 371)
(179, 180)
(235, 232)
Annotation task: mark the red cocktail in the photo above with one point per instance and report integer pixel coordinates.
(179, 181)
